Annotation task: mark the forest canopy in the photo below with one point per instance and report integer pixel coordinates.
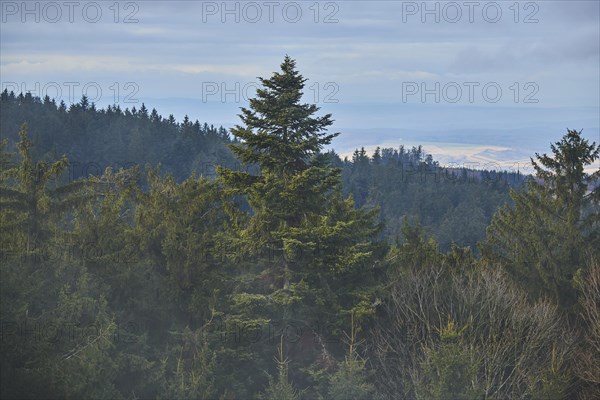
(146, 258)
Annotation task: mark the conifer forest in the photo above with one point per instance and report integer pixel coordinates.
(191, 261)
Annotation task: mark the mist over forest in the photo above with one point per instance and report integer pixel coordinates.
(300, 200)
(186, 261)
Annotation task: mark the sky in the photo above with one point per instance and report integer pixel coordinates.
(479, 82)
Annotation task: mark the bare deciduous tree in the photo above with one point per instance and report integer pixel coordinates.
(588, 358)
(520, 348)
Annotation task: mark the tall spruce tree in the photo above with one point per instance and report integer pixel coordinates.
(553, 226)
(45, 284)
(33, 198)
(305, 254)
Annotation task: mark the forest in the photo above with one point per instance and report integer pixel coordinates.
(143, 257)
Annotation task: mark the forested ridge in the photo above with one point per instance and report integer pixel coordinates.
(146, 258)
(453, 204)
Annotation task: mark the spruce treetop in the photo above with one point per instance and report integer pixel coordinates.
(564, 174)
(280, 133)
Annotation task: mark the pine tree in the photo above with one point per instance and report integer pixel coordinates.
(304, 249)
(351, 381)
(281, 389)
(449, 370)
(31, 199)
(45, 284)
(280, 134)
(552, 227)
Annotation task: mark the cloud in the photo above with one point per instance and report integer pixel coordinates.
(368, 53)
(23, 64)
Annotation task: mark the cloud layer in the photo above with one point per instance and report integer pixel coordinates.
(369, 62)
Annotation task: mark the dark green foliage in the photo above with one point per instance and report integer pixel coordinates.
(322, 244)
(30, 198)
(189, 367)
(94, 139)
(279, 133)
(281, 388)
(120, 284)
(453, 204)
(352, 378)
(448, 369)
(552, 228)
(58, 329)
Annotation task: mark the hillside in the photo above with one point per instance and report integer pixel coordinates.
(402, 182)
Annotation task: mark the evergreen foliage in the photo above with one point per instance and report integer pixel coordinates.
(162, 282)
(552, 229)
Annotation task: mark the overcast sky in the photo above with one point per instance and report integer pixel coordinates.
(494, 80)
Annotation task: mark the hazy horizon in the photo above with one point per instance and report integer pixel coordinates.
(471, 81)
